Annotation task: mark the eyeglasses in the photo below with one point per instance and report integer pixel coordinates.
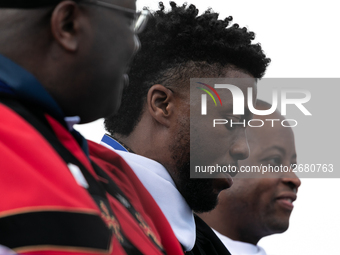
(140, 18)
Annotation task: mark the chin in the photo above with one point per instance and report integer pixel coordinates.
(220, 184)
(203, 205)
(199, 194)
(278, 226)
(113, 109)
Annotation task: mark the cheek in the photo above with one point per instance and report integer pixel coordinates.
(242, 191)
(120, 49)
(265, 191)
(218, 139)
(130, 45)
(254, 192)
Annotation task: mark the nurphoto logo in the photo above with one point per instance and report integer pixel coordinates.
(239, 101)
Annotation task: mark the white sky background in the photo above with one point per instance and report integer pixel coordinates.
(303, 40)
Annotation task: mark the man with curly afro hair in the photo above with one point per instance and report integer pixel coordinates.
(152, 129)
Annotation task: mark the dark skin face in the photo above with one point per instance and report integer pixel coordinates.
(75, 53)
(257, 207)
(110, 55)
(163, 134)
(221, 145)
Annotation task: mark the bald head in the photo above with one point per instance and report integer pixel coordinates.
(44, 41)
(74, 52)
(20, 27)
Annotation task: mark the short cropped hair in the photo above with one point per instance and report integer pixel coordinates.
(179, 44)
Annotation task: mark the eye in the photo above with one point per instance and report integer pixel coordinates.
(234, 123)
(229, 126)
(275, 161)
(130, 19)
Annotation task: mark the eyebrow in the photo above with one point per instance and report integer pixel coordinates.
(282, 150)
(279, 148)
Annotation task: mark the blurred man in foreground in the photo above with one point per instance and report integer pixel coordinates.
(152, 129)
(257, 207)
(61, 63)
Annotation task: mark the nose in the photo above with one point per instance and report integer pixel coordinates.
(291, 180)
(239, 150)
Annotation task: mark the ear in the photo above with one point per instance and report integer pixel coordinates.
(65, 25)
(160, 104)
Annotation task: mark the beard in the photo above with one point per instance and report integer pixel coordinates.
(198, 193)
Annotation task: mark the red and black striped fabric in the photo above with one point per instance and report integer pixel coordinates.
(43, 210)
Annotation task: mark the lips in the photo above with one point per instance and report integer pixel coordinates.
(222, 181)
(286, 200)
(232, 168)
(229, 179)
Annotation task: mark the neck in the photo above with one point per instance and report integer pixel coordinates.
(235, 229)
(150, 141)
(145, 144)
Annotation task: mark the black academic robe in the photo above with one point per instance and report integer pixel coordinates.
(207, 242)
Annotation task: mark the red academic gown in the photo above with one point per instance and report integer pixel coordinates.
(45, 210)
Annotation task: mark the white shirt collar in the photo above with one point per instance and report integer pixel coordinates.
(162, 188)
(240, 248)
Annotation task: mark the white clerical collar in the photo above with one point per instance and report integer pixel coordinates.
(162, 188)
(240, 248)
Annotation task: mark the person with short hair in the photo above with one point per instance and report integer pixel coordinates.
(151, 130)
(259, 206)
(62, 63)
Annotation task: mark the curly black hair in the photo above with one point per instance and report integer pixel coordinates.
(179, 44)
